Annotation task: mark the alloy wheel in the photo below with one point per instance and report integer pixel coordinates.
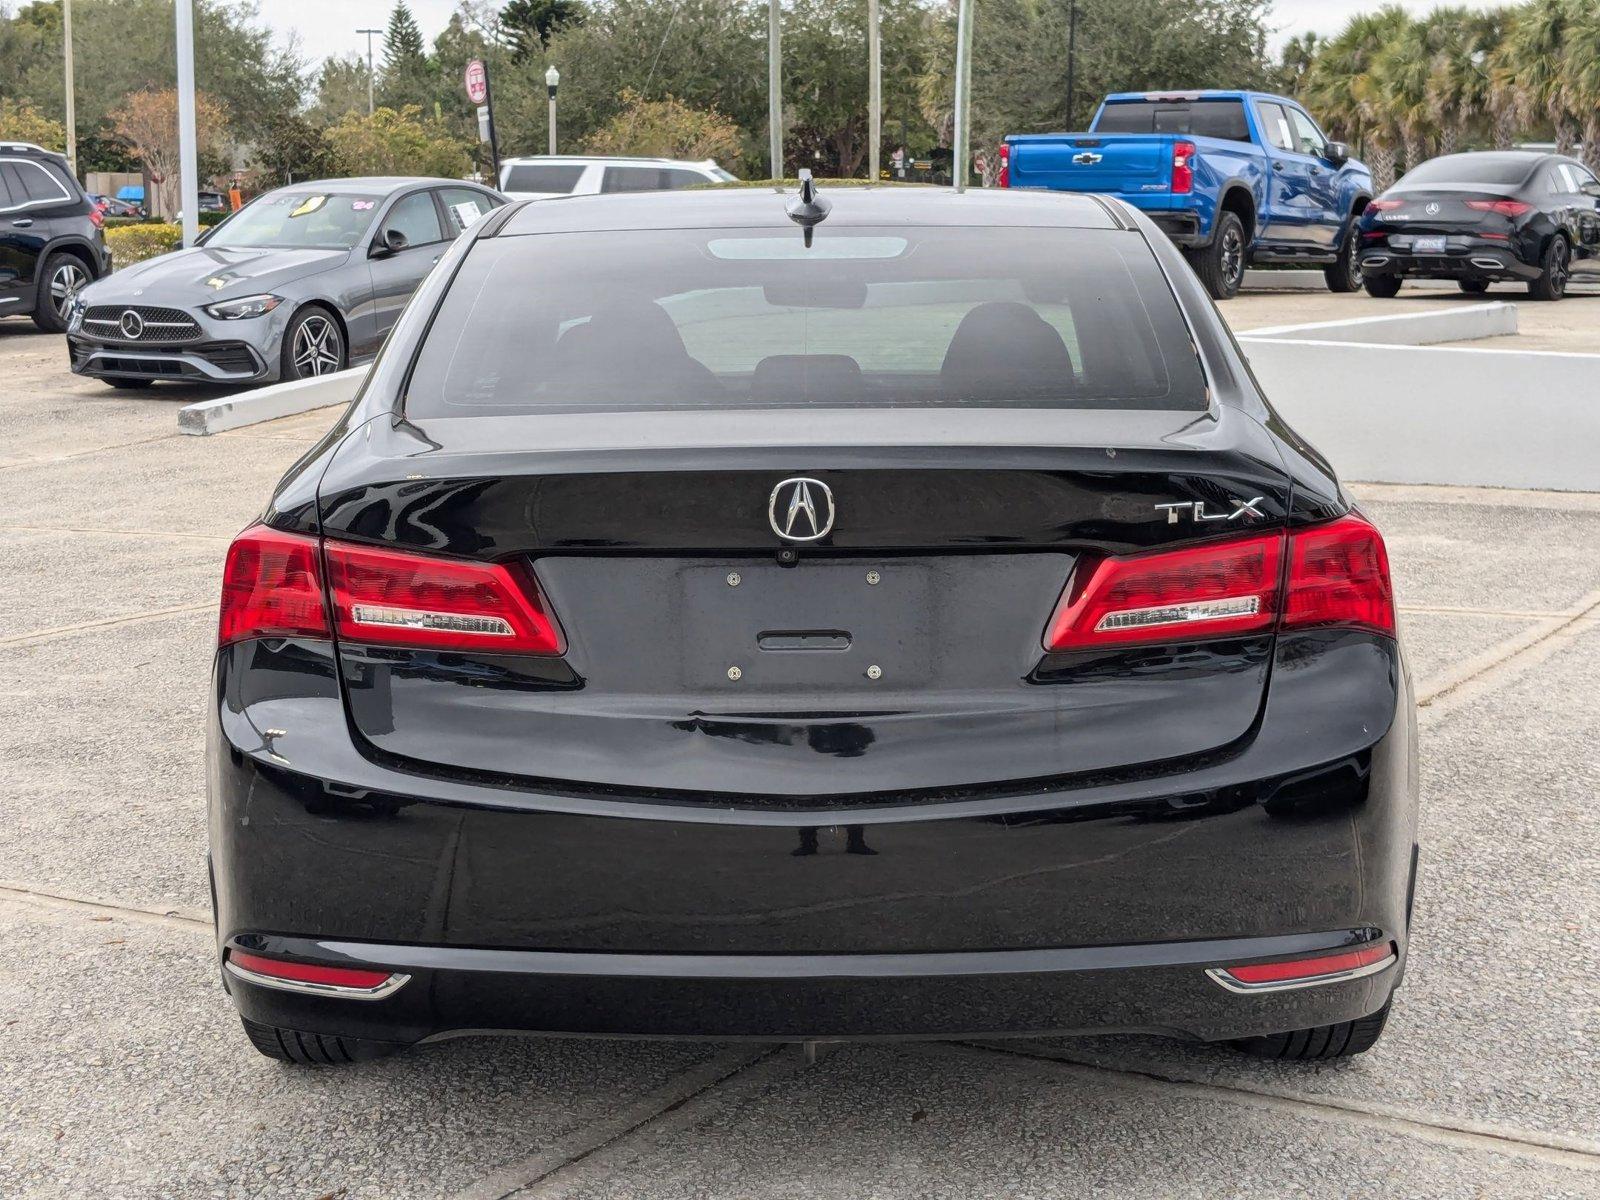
(1232, 254)
(317, 347)
(65, 281)
(1558, 267)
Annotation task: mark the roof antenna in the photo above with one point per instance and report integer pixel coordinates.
(808, 210)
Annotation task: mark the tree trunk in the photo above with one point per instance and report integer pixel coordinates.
(1449, 137)
(1416, 150)
(1566, 133)
(1380, 157)
(1591, 141)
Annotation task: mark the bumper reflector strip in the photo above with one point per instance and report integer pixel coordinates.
(354, 983)
(1305, 972)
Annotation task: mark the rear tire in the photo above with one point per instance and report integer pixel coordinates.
(1474, 287)
(59, 280)
(1552, 281)
(1342, 1040)
(1384, 287)
(1344, 275)
(1221, 264)
(314, 1049)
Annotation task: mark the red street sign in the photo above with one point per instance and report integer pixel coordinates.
(477, 82)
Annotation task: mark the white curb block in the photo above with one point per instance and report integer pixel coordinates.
(270, 402)
(1460, 324)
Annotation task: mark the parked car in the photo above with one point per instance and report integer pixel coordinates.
(1234, 178)
(51, 241)
(540, 176)
(301, 281)
(722, 615)
(110, 206)
(1485, 217)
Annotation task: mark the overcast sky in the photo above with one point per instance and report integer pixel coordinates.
(328, 26)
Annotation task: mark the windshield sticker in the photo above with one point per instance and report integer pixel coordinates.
(312, 203)
(362, 205)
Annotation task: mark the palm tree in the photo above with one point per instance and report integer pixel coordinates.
(1581, 71)
(1460, 81)
(1400, 76)
(1537, 48)
(1339, 85)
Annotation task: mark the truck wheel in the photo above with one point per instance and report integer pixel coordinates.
(1221, 264)
(1384, 287)
(1344, 274)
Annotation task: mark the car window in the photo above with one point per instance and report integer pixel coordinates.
(1308, 138)
(864, 318)
(542, 177)
(35, 183)
(634, 179)
(1274, 125)
(1500, 170)
(1203, 118)
(415, 217)
(463, 206)
(681, 177)
(295, 218)
(6, 197)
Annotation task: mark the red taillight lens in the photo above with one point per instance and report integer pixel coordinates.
(1175, 595)
(1339, 575)
(399, 599)
(96, 217)
(271, 587)
(1182, 168)
(1004, 178)
(1506, 208)
(299, 972)
(1336, 574)
(1310, 968)
(1384, 205)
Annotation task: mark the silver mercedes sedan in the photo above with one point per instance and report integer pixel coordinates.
(302, 281)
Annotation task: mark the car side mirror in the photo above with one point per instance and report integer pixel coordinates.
(392, 242)
(1337, 153)
(1592, 188)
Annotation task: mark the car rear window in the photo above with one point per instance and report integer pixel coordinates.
(543, 177)
(1498, 169)
(864, 318)
(1202, 118)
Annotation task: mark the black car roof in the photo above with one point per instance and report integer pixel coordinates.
(757, 207)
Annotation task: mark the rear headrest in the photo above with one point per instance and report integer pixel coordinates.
(807, 379)
(1004, 351)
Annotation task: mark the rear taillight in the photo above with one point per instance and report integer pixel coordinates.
(1335, 574)
(1004, 178)
(394, 598)
(1384, 205)
(96, 217)
(271, 587)
(1182, 168)
(1506, 208)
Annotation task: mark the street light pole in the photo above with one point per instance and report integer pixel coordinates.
(369, 33)
(72, 101)
(552, 77)
(188, 156)
(874, 90)
(1072, 56)
(963, 91)
(775, 88)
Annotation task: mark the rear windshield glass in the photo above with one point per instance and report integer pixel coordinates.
(1499, 169)
(864, 318)
(1202, 118)
(296, 219)
(543, 177)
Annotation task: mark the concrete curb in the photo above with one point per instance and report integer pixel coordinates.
(1459, 324)
(269, 403)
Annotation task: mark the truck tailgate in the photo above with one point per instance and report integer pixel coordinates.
(1128, 163)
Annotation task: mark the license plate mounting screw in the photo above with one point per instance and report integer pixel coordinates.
(873, 578)
(874, 672)
(734, 579)
(735, 674)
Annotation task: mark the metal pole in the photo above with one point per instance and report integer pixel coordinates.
(552, 120)
(72, 100)
(370, 72)
(963, 91)
(775, 88)
(494, 138)
(188, 156)
(874, 90)
(1072, 57)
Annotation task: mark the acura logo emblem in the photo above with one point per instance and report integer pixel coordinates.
(801, 509)
(132, 324)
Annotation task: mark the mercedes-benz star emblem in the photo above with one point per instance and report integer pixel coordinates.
(801, 509)
(1433, 208)
(132, 325)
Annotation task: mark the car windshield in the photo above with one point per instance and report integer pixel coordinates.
(1502, 170)
(298, 218)
(893, 317)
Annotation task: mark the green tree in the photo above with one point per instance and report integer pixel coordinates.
(1582, 70)
(402, 42)
(407, 76)
(396, 143)
(341, 88)
(1342, 88)
(666, 129)
(294, 149)
(20, 121)
(1537, 45)
(529, 24)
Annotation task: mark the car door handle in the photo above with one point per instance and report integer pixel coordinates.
(23, 222)
(1277, 166)
(1316, 170)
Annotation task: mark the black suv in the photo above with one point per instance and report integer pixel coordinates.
(51, 242)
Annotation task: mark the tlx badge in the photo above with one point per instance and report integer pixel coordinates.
(1196, 509)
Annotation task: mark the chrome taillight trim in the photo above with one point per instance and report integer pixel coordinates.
(388, 987)
(1221, 976)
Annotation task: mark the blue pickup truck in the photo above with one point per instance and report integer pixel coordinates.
(1234, 178)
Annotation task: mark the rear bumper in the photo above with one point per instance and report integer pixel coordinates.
(1464, 258)
(1181, 226)
(1092, 906)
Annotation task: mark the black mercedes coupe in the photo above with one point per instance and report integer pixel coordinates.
(751, 614)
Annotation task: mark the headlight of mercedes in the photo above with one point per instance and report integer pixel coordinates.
(245, 306)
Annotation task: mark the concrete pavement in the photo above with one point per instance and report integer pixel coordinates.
(125, 1073)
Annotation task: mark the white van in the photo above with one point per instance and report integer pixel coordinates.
(539, 176)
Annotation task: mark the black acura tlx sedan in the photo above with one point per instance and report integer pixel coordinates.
(734, 614)
(1486, 217)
